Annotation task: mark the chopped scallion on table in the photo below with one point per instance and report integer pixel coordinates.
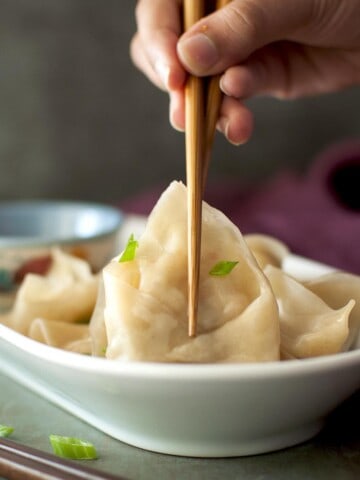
(71, 447)
(5, 430)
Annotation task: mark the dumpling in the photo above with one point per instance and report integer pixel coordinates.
(74, 337)
(97, 328)
(67, 293)
(146, 299)
(308, 326)
(266, 249)
(337, 289)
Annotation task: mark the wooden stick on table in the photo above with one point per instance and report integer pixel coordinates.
(20, 462)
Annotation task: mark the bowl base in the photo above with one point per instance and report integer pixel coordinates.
(208, 449)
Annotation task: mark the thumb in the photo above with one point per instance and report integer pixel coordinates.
(229, 35)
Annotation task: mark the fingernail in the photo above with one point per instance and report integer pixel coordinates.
(198, 52)
(236, 143)
(222, 85)
(223, 124)
(174, 124)
(163, 71)
(173, 113)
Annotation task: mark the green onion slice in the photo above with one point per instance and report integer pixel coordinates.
(5, 430)
(71, 447)
(130, 249)
(224, 267)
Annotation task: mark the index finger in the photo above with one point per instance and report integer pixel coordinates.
(159, 25)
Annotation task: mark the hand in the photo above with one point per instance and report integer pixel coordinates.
(281, 48)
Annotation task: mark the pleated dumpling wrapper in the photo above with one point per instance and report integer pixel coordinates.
(337, 289)
(74, 337)
(309, 326)
(266, 249)
(67, 293)
(146, 298)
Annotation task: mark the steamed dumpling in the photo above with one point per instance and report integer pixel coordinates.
(309, 327)
(67, 293)
(146, 299)
(266, 249)
(97, 328)
(337, 289)
(74, 337)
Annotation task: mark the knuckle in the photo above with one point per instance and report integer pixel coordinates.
(245, 18)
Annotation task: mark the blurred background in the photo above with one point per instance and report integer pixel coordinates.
(78, 121)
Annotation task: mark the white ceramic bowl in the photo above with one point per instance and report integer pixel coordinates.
(29, 229)
(192, 410)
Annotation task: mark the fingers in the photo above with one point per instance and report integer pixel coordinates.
(141, 61)
(177, 109)
(287, 70)
(235, 121)
(153, 49)
(230, 35)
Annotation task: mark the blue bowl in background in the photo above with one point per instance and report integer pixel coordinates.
(30, 229)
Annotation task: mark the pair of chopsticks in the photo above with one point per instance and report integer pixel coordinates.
(201, 114)
(20, 462)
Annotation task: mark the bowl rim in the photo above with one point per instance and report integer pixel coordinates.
(15, 242)
(221, 372)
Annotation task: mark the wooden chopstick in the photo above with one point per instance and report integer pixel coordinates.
(199, 137)
(194, 141)
(213, 103)
(20, 462)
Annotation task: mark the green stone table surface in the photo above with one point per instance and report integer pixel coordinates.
(333, 454)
